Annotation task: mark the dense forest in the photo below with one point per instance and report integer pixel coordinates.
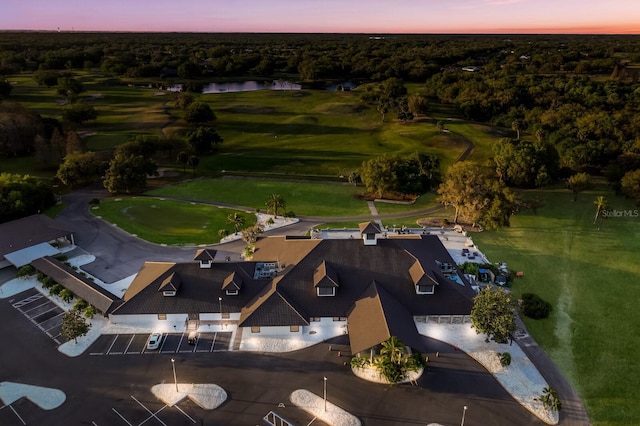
(571, 102)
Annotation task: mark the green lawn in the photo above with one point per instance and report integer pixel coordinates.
(306, 199)
(590, 275)
(169, 222)
(424, 201)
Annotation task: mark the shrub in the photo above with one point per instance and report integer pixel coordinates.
(270, 221)
(358, 362)
(48, 282)
(41, 277)
(550, 399)
(66, 295)
(94, 202)
(415, 362)
(289, 214)
(61, 258)
(505, 358)
(25, 271)
(535, 307)
(89, 312)
(56, 289)
(80, 305)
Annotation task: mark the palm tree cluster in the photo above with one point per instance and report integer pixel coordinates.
(394, 362)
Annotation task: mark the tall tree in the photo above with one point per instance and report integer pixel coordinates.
(128, 173)
(274, 203)
(601, 204)
(74, 325)
(493, 314)
(204, 139)
(79, 113)
(183, 158)
(515, 125)
(578, 183)
(81, 169)
(236, 220)
(199, 112)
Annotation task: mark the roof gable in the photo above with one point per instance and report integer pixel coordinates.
(171, 283)
(325, 276)
(369, 228)
(205, 255)
(232, 282)
(271, 308)
(376, 316)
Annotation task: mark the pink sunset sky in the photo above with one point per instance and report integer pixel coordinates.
(350, 16)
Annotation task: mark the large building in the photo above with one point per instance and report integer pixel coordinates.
(375, 287)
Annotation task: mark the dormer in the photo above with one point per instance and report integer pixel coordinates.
(232, 284)
(170, 285)
(325, 280)
(423, 283)
(369, 231)
(205, 257)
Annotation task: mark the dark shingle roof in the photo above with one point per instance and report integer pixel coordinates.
(171, 283)
(29, 231)
(232, 282)
(82, 287)
(205, 255)
(271, 307)
(199, 290)
(325, 276)
(376, 317)
(369, 228)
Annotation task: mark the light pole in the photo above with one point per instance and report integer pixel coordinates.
(325, 393)
(220, 303)
(175, 378)
(464, 411)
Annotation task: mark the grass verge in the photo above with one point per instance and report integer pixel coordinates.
(169, 222)
(589, 273)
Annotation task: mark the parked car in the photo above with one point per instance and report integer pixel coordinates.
(154, 341)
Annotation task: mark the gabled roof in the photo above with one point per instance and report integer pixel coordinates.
(82, 287)
(200, 289)
(29, 231)
(376, 316)
(206, 255)
(369, 228)
(419, 276)
(232, 282)
(271, 307)
(325, 276)
(171, 283)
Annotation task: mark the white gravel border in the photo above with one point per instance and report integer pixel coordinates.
(207, 396)
(45, 398)
(314, 405)
(521, 378)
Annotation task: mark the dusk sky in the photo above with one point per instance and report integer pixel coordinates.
(352, 16)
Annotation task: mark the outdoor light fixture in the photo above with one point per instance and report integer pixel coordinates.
(175, 378)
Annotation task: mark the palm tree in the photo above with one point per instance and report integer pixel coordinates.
(601, 204)
(440, 126)
(236, 220)
(393, 348)
(275, 203)
(515, 125)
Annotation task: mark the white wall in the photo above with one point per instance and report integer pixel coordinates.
(151, 321)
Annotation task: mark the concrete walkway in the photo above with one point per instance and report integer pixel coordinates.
(374, 212)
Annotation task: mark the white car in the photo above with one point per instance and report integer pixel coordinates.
(154, 341)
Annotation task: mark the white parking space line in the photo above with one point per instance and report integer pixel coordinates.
(59, 315)
(113, 343)
(17, 415)
(27, 300)
(131, 340)
(121, 416)
(153, 415)
(188, 416)
(42, 304)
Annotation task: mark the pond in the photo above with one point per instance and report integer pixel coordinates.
(248, 86)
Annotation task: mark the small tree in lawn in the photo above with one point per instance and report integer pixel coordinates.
(275, 203)
(193, 162)
(601, 204)
(493, 314)
(236, 220)
(183, 158)
(74, 325)
(578, 183)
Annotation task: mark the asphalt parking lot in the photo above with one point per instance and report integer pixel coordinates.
(136, 344)
(41, 311)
